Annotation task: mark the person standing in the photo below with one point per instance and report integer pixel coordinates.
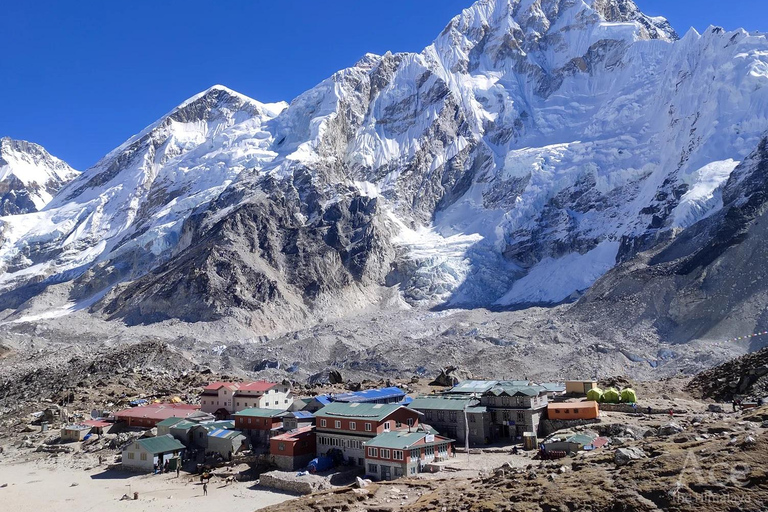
(178, 468)
(205, 489)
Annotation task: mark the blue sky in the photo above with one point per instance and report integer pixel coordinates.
(81, 77)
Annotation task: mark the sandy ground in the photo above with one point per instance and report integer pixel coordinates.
(44, 484)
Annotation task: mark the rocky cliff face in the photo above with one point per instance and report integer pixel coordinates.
(524, 154)
(29, 176)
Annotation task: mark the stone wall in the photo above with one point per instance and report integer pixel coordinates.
(289, 482)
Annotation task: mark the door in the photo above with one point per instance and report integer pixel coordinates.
(386, 473)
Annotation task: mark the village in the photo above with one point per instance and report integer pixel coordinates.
(267, 442)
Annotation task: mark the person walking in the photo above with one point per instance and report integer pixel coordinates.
(178, 468)
(205, 489)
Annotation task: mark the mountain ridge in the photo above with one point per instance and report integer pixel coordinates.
(530, 151)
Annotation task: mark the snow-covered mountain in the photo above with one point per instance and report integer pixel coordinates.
(29, 176)
(531, 148)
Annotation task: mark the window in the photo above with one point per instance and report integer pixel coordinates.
(452, 416)
(385, 453)
(361, 462)
(397, 454)
(203, 402)
(225, 391)
(373, 452)
(367, 427)
(398, 471)
(131, 455)
(249, 421)
(415, 454)
(337, 424)
(281, 446)
(410, 422)
(373, 468)
(266, 404)
(521, 417)
(352, 425)
(413, 470)
(428, 414)
(143, 456)
(323, 423)
(387, 425)
(398, 424)
(286, 401)
(472, 418)
(238, 404)
(440, 415)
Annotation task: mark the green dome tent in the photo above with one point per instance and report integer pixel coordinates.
(595, 394)
(611, 396)
(628, 396)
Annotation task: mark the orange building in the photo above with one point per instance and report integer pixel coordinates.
(573, 411)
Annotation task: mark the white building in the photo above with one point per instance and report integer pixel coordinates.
(227, 398)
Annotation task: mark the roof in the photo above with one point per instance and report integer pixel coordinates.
(158, 411)
(580, 381)
(401, 440)
(160, 444)
(302, 415)
(504, 388)
(473, 386)
(217, 425)
(589, 404)
(260, 385)
(295, 434)
(553, 386)
(213, 386)
(256, 412)
(184, 425)
(369, 395)
(224, 434)
(582, 439)
(170, 421)
(444, 404)
(359, 410)
(76, 427)
(97, 423)
(323, 399)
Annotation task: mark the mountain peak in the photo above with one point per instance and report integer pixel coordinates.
(29, 176)
(554, 30)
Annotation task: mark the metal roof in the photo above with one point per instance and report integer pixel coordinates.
(259, 413)
(512, 390)
(402, 440)
(444, 404)
(184, 425)
(359, 410)
(473, 386)
(218, 425)
(224, 434)
(160, 444)
(369, 395)
(173, 420)
(553, 386)
(302, 415)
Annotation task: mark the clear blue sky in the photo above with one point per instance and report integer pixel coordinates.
(80, 77)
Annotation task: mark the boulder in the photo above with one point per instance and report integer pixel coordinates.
(715, 408)
(670, 429)
(624, 456)
(450, 376)
(334, 377)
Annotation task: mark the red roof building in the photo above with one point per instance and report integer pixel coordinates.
(226, 398)
(293, 450)
(150, 415)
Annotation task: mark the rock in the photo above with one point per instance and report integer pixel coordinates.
(450, 376)
(267, 364)
(334, 377)
(749, 441)
(715, 408)
(624, 456)
(362, 482)
(562, 469)
(670, 429)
